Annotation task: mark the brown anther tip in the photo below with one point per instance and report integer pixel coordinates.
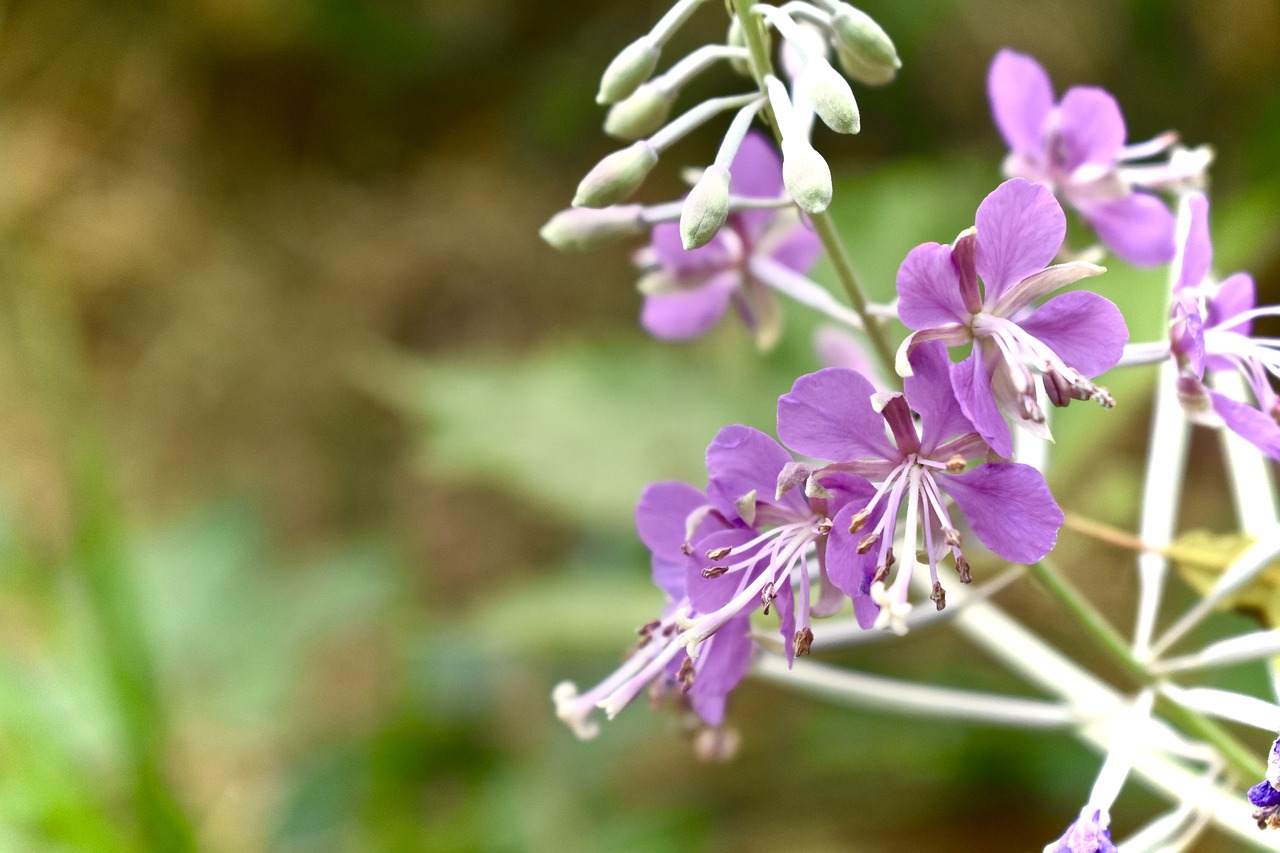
(955, 464)
(867, 541)
(804, 639)
(882, 572)
(962, 567)
(685, 675)
(824, 527)
(859, 519)
(889, 559)
(714, 571)
(952, 537)
(767, 595)
(648, 628)
(686, 549)
(939, 596)
(719, 553)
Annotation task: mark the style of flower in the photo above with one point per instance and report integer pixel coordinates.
(1076, 147)
(719, 555)
(836, 414)
(1210, 330)
(1063, 343)
(687, 292)
(1089, 834)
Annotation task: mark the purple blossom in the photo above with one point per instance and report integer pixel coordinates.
(687, 292)
(836, 414)
(1076, 147)
(1089, 834)
(719, 555)
(1210, 330)
(1265, 796)
(1022, 355)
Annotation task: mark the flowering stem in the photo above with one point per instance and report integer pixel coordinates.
(761, 65)
(1240, 758)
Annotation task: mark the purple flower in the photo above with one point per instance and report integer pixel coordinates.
(1089, 834)
(1210, 330)
(836, 414)
(1022, 355)
(719, 556)
(1076, 148)
(687, 292)
(1265, 796)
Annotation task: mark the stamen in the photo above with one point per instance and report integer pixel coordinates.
(719, 553)
(955, 464)
(767, 597)
(824, 527)
(962, 566)
(685, 675)
(714, 571)
(867, 542)
(938, 596)
(859, 520)
(804, 639)
(952, 536)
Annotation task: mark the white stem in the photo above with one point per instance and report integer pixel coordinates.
(1166, 459)
(737, 132)
(1145, 353)
(1253, 487)
(696, 116)
(795, 286)
(673, 20)
(1030, 450)
(1226, 705)
(1246, 647)
(695, 63)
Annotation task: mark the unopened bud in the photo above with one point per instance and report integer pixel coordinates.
(628, 70)
(581, 229)
(616, 176)
(640, 114)
(706, 208)
(865, 49)
(806, 175)
(833, 100)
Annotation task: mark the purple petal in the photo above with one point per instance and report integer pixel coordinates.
(1009, 507)
(687, 314)
(723, 661)
(929, 288)
(1186, 331)
(741, 460)
(972, 385)
(671, 254)
(1020, 228)
(1086, 330)
(1091, 126)
(756, 172)
(828, 415)
(929, 392)
(1254, 426)
(850, 571)
(1235, 296)
(661, 519)
(1138, 228)
(1021, 98)
(798, 249)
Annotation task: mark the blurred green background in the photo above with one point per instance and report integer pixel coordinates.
(317, 465)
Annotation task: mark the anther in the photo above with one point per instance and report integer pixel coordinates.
(938, 596)
(882, 572)
(962, 566)
(955, 464)
(824, 527)
(686, 549)
(649, 627)
(685, 675)
(952, 536)
(804, 639)
(719, 553)
(867, 542)
(889, 559)
(714, 571)
(858, 520)
(767, 596)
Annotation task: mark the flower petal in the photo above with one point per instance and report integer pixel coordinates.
(723, 660)
(972, 384)
(1021, 98)
(790, 242)
(1235, 296)
(670, 253)
(828, 415)
(1009, 507)
(741, 460)
(1091, 126)
(929, 392)
(1041, 284)
(929, 288)
(756, 172)
(1020, 229)
(1197, 248)
(1087, 331)
(850, 571)
(661, 520)
(1138, 228)
(687, 314)
(1254, 426)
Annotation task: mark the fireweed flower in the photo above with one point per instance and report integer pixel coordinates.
(719, 556)
(687, 292)
(1023, 356)
(838, 415)
(1089, 834)
(1076, 147)
(1265, 795)
(1210, 330)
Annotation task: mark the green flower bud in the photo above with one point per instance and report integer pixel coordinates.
(640, 114)
(865, 50)
(616, 176)
(706, 208)
(833, 100)
(581, 229)
(628, 70)
(806, 175)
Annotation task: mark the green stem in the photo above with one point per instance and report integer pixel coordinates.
(761, 65)
(1241, 759)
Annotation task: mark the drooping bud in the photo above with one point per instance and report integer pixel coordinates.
(581, 229)
(865, 49)
(616, 176)
(806, 175)
(640, 114)
(628, 70)
(706, 208)
(833, 100)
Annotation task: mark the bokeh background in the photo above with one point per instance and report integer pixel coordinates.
(317, 466)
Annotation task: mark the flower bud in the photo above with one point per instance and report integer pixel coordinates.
(705, 209)
(806, 175)
(581, 229)
(640, 114)
(832, 98)
(628, 70)
(865, 50)
(616, 176)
